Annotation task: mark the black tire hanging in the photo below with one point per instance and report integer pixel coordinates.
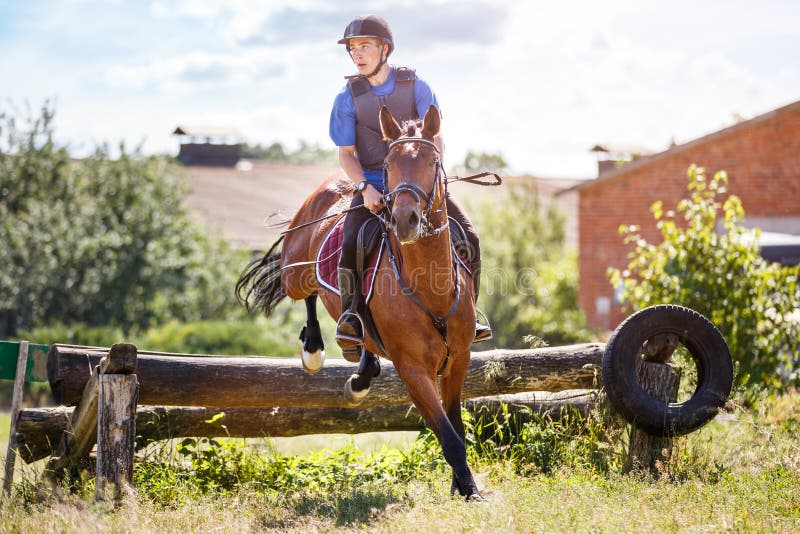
(708, 349)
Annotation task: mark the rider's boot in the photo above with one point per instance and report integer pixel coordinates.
(350, 327)
(482, 332)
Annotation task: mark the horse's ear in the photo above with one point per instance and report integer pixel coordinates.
(431, 123)
(389, 127)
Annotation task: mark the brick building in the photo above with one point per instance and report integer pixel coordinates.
(762, 159)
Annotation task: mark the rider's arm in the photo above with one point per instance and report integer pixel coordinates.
(351, 166)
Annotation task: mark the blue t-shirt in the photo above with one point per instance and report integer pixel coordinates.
(343, 117)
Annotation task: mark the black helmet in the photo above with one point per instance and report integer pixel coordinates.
(369, 26)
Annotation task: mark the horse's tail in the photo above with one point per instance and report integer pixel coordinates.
(259, 286)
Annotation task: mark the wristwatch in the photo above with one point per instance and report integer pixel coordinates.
(361, 186)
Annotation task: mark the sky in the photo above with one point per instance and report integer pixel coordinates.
(540, 82)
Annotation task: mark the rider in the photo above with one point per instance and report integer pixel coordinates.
(355, 129)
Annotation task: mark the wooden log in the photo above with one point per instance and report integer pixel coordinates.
(252, 382)
(80, 436)
(116, 431)
(646, 452)
(40, 426)
(40, 431)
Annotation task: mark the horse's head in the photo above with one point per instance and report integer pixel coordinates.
(413, 169)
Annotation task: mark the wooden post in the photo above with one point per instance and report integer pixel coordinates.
(653, 453)
(81, 434)
(16, 402)
(116, 431)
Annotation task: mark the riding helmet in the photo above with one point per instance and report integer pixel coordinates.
(369, 26)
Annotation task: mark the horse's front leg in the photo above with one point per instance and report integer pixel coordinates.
(421, 386)
(313, 355)
(451, 386)
(357, 386)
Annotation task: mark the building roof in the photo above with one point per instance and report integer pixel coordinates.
(685, 146)
(239, 200)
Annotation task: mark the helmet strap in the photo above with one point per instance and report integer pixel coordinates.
(381, 63)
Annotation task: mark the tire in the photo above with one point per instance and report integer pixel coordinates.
(708, 349)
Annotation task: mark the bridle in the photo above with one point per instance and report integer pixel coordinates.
(427, 228)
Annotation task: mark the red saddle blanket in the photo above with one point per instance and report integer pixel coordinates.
(328, 262)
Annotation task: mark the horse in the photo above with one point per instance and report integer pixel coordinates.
(423, 311)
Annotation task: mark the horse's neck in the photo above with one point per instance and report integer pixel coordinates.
(427, 268)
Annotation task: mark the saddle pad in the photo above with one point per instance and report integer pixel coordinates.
(328, 262)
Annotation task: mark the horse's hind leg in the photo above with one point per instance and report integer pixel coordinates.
(313, 356)
(357, 386)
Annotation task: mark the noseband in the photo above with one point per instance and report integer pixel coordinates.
(427, 228)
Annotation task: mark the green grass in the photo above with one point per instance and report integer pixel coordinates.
(737, 474)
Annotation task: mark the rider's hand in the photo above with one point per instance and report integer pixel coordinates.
(373, 200)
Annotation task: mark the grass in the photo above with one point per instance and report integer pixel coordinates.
(737, 474)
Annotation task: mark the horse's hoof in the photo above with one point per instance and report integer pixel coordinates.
(352, 397)
(312, 361)
(476, 497)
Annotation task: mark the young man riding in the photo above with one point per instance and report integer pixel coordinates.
(355, 129)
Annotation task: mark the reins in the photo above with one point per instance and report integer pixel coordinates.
(472, 179)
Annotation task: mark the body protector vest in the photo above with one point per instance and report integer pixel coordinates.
(370, 146)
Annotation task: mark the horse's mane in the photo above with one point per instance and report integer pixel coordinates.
(411, 128)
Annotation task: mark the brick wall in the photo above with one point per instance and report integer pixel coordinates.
(761, 157)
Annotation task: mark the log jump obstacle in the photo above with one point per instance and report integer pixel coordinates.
(125, 398)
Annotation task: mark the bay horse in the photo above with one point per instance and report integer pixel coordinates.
(423, 311)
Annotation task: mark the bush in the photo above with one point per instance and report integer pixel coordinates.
(100, 241)
(236, 337)
(754, 303)
(530, 278)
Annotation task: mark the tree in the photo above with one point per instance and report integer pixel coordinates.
(100, 241)
(530, 278)
(484, 161)
(754, 303)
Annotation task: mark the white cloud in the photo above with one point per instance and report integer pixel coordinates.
(196, 70)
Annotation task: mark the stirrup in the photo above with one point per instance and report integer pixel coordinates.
(483, 332)
(346, 339)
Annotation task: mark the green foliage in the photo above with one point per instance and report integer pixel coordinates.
(306, 153)
(101, 241)
(75, 334)
(530, 278)
(534, 443)
(208, 465)
(231, 337)
(754, 303)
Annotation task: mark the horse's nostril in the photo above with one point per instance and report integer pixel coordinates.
(413, 220)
